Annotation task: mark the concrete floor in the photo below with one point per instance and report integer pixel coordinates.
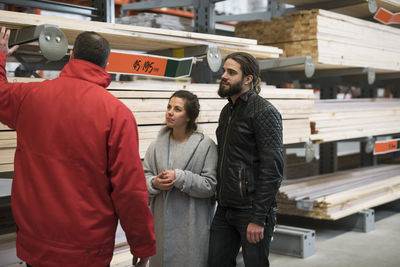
(338, 247)
(335, 246)
(380, 247)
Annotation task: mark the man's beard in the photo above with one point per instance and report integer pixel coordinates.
(233, 89)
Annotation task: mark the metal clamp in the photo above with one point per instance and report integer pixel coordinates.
(369, 144)
(372, 6)
(214, 58)
(371, 76)
(52, 41)
(309, 151)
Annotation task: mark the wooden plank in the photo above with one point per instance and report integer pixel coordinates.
(338, 120)
(151, 105)
(7, 155)
(319, 138)
(305, 187)
(153, 89)
(340, 194)
(148, 101)
(5, 135)
(7, 167)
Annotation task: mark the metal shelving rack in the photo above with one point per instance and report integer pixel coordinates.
(100, 10)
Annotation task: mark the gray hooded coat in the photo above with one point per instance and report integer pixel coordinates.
(182, 215)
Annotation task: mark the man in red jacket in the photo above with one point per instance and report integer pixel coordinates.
(77, 168)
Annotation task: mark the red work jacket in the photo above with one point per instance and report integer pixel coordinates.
(77, 169)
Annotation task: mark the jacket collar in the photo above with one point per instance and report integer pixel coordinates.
(85, 70)
(183, 159)
(243, 97)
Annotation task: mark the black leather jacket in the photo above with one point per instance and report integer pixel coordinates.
(250, 155)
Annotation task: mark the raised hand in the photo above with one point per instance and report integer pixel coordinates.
(4, 37)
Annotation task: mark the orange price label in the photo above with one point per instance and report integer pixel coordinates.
(136, 64)
(387, 17)
(383, 147)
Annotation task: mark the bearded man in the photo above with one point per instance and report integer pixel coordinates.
(250, 167)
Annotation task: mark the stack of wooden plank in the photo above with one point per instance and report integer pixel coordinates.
(7, 148)
(149, 108)
(148, 102)
(137, 38)
(336, 195)
(359, 10)
(157, 20)
(333, 120)
(333, 40)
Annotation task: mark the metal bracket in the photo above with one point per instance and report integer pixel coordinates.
(369, 144)
(309, 67)
(305, 204)
(52, 41)
(334, 4)
(371, 75)
(265, 15)
(293, 241)
(370, 72)
(214, 58)
(310, 151)
(372, 6)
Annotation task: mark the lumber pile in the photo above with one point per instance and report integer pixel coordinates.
(149, 109)
(137, 38)
(333, 40)
(148, 102)
(157, 20)
(359, 10)
(336, 195)
(333, 120)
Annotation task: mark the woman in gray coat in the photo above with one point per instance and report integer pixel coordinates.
(180, 167)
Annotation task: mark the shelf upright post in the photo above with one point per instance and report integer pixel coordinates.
(366, 158)
(328, 160)
(105, 10)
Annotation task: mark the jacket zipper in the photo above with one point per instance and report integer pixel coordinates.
(240, 182)
(223, 154)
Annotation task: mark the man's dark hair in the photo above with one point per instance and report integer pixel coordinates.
(192, 108)
(249, 66)
(92, 47)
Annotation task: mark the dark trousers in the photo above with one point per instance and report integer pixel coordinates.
(228, 233)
